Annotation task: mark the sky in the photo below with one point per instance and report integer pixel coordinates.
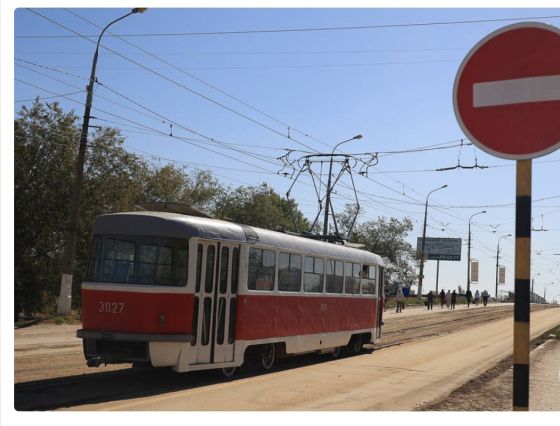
(240, 101)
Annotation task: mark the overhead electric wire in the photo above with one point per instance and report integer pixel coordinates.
(171, 160)
(309, 29)
(155, 130)
(447, 206)
(270, 52)
(174, 81)
(288, 126)
(187, 89)
(52, 69)
(283, 66)
(160, 117)
(50, 97)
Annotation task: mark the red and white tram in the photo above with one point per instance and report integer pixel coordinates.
(194, 293)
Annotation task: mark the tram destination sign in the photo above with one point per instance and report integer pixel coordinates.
(440, 248)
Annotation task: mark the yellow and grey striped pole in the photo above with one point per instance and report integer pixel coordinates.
(522, 283)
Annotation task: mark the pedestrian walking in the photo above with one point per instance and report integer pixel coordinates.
(442, 298)
(430, 300)
(469, 297)
(485, 297)
(476, 297)
(448, 299)
(385, 301)
(399, 298)
(453, 299)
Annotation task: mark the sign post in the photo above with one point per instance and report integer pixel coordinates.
(506, 98)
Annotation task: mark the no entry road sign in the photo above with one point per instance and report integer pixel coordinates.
(507, 91)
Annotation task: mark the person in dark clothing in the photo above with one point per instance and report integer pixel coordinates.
(442, 298)
(485, 297)
(469, 297)
(453, 299)
(430, 300)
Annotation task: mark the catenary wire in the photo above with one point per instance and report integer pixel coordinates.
(311, 29)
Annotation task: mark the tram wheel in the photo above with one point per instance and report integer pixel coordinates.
(356, 344)
(228, 372)
(268, 355)
(336, 353)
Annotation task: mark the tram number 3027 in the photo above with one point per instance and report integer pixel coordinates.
(110, 307)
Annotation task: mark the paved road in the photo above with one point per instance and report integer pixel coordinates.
(399, 377)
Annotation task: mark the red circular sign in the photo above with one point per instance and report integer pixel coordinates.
(507, 92)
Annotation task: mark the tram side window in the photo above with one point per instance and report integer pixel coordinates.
(313, 275)
(335, 275)
(262, 265)
(368, 279)
(289, 272)
(352, 278)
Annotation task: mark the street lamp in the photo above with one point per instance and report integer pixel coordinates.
(328, 197)
(421, 277)
(65, 297)
(469, 252)
(544, 297)
(498, 260)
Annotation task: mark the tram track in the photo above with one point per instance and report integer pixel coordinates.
(399, 330)
(101, 386)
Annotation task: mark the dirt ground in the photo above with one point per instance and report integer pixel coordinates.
(45, 351)
(51, 355)
(492, 390)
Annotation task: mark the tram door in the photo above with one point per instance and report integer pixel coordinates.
(214, 313)
(380, 299)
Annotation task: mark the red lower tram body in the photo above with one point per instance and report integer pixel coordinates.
(157, 328)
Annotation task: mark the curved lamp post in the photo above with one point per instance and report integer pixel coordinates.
(469, 252)
(65, 298)
(421, 277)
(498, 260)
(328, 196)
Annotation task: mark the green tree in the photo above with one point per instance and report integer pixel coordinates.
(172, 184)
(45, 150)
(387, 238)
(262, 207)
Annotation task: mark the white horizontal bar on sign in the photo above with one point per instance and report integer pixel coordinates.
(517, 91)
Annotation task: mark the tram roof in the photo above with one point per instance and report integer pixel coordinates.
(184, 226)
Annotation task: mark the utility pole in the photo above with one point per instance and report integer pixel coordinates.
(533, 284)
(329, 188)
(469, 252)
(422, 252)
(349, 163)
(498, 261)
(65, 297)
